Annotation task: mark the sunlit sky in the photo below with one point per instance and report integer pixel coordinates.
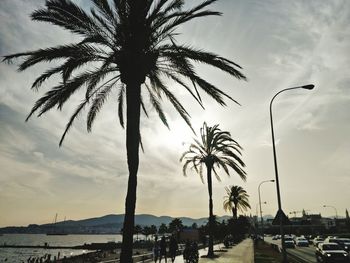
(279, 44)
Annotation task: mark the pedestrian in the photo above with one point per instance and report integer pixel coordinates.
(187, 251)
(172, 248)
(162, 249)
(204, 241)
(156, 250)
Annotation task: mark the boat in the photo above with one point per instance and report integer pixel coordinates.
(56, 231)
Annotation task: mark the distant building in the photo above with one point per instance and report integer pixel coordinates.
(328, 222)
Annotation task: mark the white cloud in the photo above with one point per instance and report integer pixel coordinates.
(280, 44)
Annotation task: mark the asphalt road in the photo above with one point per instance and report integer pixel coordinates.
(305, 253)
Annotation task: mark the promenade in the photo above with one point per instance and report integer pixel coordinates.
(241, 253)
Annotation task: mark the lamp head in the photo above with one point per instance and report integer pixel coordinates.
(309, 87)
(324, 205)
(272, 180)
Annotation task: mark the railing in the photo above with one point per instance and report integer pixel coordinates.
(136, 258)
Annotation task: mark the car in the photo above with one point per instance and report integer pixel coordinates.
(301, 242)
(344, 243)
(330, 252)
(317, 240)
(276, 237)
(288, 242)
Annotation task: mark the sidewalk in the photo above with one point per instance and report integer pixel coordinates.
(241, 253)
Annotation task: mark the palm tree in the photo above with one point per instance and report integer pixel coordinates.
(215, 149)
(137, 231)
(175, 225)
(236, 199)
(126, 47)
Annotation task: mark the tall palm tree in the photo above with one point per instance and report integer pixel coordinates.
(236, 199)
(127, 47)
(215, 149)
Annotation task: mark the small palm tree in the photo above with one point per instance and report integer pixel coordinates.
(137, 231)
(236, 199)
(129, 48)
(215, 149)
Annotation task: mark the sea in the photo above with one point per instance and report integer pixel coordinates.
(18, 255)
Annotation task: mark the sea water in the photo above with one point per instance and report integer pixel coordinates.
(22, 254)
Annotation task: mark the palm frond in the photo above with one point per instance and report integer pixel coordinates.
(213, 149)
(157, 106)
(97, 103)
(104, 8)
(156, 83)
(44, 76)
(121, 105)
(72, 118)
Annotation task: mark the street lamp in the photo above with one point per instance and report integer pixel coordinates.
(261, 218)
(336, 213)
(308, 87)
(256, 210)
(257, 215)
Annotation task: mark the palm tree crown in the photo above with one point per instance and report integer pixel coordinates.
(236, 200)
(121, 43)
(216, 149)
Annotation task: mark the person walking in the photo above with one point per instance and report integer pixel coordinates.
(172, 248)
(156, 250)
(162, 249)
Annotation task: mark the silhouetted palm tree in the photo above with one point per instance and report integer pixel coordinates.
(175, 225)
(126, 47)
(215, 149)
(236, 199)
(137, 231)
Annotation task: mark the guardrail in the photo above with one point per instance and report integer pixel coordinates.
(137, 258)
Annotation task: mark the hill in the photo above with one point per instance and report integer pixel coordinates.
(108, 224)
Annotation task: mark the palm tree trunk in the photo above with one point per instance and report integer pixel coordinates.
(235, 211)
(133, 94)
(211, 223)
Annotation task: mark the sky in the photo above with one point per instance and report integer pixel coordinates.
(279, 44)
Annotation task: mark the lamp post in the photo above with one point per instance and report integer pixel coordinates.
(257, 216)
(336, 212)
(308, 87)
(261, 218)
(256, 210)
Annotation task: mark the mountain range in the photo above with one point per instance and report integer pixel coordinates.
(108, 224)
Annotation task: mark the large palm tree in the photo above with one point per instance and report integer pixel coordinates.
(126, 47)
(215, 149)
(236, 199)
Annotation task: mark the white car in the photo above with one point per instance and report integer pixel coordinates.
(301, 242)
(330, 252)
(317, 240)
(288, 242)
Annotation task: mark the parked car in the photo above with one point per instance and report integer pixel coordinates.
(288, 242)
(317, 240)
(301, 242)
(344, 243)
(330, 252)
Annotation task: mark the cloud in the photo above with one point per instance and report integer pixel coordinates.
(280, 44)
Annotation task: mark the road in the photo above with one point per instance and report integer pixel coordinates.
(307, 254)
